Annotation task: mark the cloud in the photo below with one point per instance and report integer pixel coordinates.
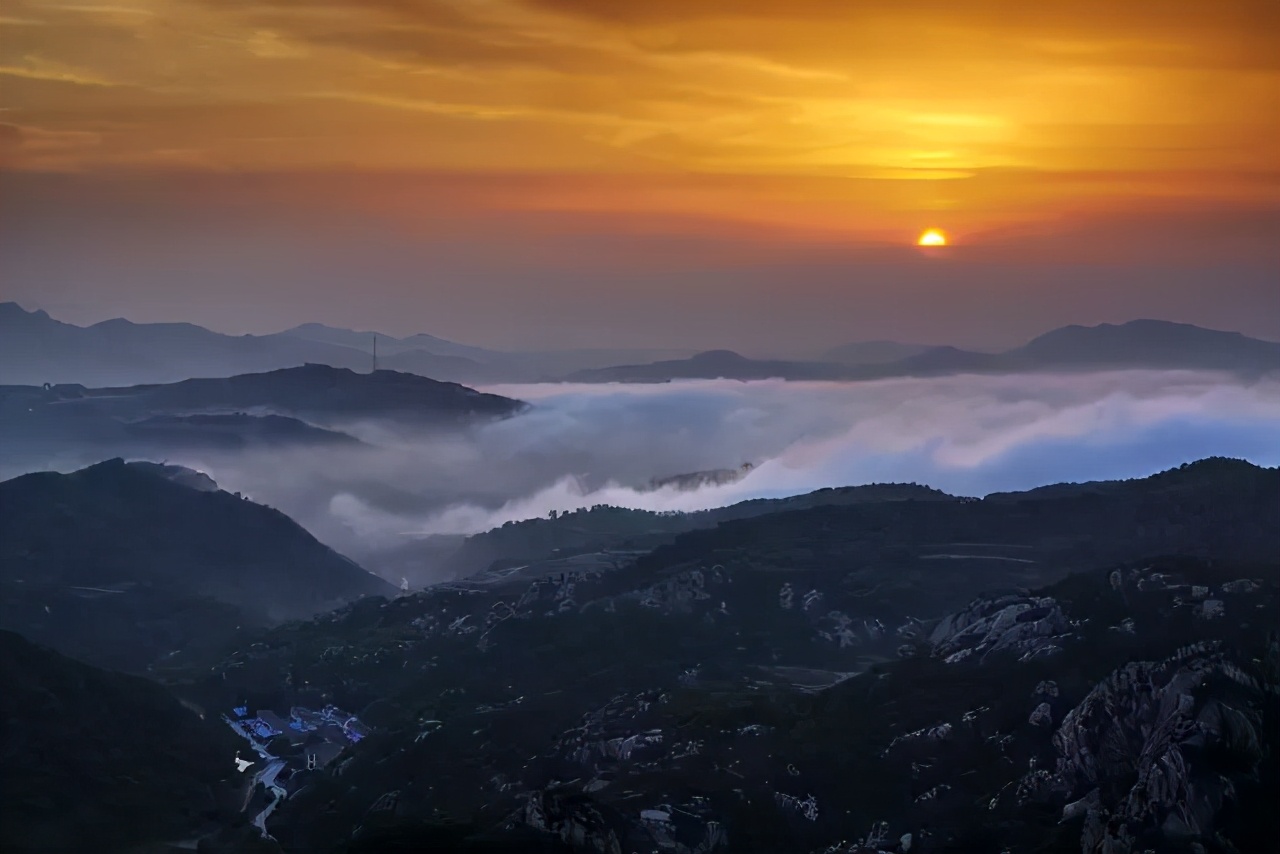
(967, 435)
(802, 89)
(582, 445)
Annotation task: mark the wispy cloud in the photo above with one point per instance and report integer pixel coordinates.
(791, 91)
(35, 68)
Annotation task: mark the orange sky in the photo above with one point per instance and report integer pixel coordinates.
(868, 118)
(557, 159)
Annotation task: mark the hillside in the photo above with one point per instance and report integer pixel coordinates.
(309, 406)
(813, 675)
(102, 761)
(36, 349)
(314, 392)
(605, 528)
(594, 535)
(118, 563)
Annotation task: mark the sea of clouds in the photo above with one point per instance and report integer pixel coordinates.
(582, 445)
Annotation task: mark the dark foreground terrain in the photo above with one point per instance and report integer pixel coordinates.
(1087, 668)
(1138, 703)
(100, 761)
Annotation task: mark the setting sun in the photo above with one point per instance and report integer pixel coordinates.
(933, 237)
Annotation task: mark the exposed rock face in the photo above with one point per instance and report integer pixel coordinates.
(1142, 757)
(649, 716)
(576, 820)
(1024, 625)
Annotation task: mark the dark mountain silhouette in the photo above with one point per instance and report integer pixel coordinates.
(603, 535)
(603, 528)
(425, 355)
(318, 392)
(33, 429)
(117, 522)
(270, 410)
(314, 392)
(158, 555)
(1155, 344)
(389, 346)
(1189, 476)
(102, 761)
(1148, 344)
(37, 349)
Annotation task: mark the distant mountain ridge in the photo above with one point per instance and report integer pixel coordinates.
(1152, 344)
(390, 346)
(36, 349)
(308, 406)
(311, 391)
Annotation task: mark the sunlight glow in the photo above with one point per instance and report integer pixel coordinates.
(933, 237)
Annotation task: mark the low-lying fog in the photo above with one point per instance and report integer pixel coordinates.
(582, 445)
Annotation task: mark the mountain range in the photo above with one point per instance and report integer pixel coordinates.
(37, 349)
(1147, 344)
(307, 406)
(843, 679)
(1093, 665)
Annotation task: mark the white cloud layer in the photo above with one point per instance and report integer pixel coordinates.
(971, 435)
(582, 445)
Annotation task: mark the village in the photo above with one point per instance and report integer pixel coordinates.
(287, 750)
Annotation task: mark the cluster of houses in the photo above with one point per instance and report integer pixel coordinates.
(315, 739)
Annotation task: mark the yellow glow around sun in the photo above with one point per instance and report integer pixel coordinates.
(933, 237)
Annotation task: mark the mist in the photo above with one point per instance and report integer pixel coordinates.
(583, 445)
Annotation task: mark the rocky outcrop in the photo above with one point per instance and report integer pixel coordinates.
(1154, 752)
(1026, 626)
(576, 820)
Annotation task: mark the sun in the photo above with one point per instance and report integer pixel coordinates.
(933, 237)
